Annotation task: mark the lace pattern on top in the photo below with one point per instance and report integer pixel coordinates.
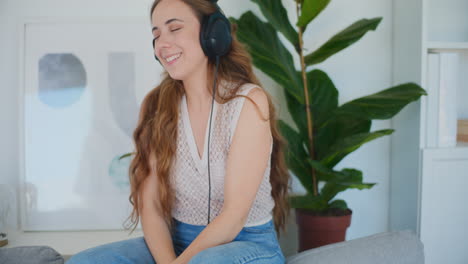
(190, 173)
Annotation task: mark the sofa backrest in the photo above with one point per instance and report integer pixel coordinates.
(402, 247)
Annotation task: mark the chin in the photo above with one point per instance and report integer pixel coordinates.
(181, 73)
(176, 76)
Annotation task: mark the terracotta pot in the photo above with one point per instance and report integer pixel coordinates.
(315, 231)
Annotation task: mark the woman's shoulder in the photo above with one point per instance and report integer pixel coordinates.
(237, 91)
(257, 97)
(254, 92)
(246, 88)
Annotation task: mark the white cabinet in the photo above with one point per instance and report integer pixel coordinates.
(429, 181)
(444, 213)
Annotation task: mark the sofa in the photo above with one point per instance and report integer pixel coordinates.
(402, 247)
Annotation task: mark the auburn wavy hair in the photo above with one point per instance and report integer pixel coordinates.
(156, 132)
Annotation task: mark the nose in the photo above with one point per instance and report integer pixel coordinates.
(162, 42)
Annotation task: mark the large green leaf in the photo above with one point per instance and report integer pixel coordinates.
(315, 203)
(275, 13)
(337, 127)
(340, 204)
(319, 167)
(346, 179)
(323, 173)
(323, 100)
(349, 177)
(330, 190)
(342, 40)
(296, 156)
(268, 53)
(355, 117)
(326, 174)
(384, 104)
(349, 144)
(309, 10)
(338, 181)
(298, 114)
(323, 95)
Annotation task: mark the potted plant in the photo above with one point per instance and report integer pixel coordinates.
(326, 132)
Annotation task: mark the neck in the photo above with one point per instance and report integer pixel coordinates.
(198, 90)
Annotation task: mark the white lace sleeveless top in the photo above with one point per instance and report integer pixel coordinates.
(190, 173)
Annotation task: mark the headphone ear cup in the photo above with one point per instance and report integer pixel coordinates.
(215, 35)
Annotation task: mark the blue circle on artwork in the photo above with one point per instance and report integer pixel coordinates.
(62, 79)
(118, 172)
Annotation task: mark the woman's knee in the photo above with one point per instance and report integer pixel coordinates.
(127, 251)
(98, 255)
(209, 255)
(85, 257)
(238, 252)
(226, 253)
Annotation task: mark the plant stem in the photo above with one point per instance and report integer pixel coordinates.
(306, 94)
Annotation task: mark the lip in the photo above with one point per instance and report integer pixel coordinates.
(174, 61)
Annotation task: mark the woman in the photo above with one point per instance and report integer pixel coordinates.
(231, 215)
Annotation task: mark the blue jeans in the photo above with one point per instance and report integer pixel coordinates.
(256, 244)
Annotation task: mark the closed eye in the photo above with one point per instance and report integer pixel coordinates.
(171, 31)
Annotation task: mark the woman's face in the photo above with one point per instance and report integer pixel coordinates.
(177, 44)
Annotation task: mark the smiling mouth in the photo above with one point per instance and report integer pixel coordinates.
(173, 58)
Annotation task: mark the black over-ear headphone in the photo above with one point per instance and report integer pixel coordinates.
(215, 34)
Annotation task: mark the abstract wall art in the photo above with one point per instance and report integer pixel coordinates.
(83, 84)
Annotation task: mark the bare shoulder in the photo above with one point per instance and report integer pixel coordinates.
(259, 97)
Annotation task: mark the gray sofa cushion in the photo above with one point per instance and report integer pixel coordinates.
(402, 247)
(30, 255)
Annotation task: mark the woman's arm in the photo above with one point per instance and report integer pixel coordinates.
(246, 164)
(155, 229)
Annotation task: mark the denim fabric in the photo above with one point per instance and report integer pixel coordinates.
(256, 245)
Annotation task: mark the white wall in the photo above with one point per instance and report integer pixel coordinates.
(359, 70)
(407, 59)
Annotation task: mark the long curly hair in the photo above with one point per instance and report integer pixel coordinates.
(157, 126)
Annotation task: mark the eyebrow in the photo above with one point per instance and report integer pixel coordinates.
(167, 22)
